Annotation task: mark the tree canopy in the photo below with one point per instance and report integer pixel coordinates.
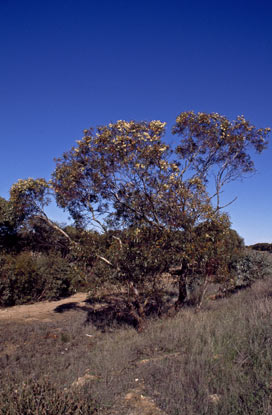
(126, 173)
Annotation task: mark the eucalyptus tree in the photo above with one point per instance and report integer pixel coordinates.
(126, 178)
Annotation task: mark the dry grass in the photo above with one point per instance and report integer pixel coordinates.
(215, 361)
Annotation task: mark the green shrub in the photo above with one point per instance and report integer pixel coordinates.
(58, 276)
(29, 277)
(251, 266)
(19, 280)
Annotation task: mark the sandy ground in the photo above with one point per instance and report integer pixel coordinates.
(39, 311)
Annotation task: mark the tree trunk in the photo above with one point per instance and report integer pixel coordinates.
(182, 273)
(137, 313)
(182, 296)
(136, 309)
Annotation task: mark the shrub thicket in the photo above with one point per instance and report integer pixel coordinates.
(29, 277)
(250, 266)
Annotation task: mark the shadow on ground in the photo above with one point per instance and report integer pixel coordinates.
(113, 311)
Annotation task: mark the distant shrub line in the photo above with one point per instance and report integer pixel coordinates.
(262, 246)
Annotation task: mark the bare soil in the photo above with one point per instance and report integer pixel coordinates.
(42, 311)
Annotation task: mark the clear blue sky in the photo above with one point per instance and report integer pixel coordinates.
(68, 65)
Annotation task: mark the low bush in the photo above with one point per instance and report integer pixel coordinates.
(58, 275)
(250, 266)
(29, 277)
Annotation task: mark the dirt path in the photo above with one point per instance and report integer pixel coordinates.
(39, 311)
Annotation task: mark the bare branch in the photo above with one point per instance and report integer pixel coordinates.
(119, 240)
(105, 260)
(45, 218)
(222, 207)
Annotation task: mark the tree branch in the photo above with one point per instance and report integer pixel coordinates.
(222, 207)
(119, 240)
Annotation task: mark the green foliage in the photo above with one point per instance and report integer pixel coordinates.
(7, 217)
(19, 280)
(30, 196)
(216, 247)
(8, 225)
(29, 277)
(250, 266)
(59, 276)
(39, 236)
(138, 255)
